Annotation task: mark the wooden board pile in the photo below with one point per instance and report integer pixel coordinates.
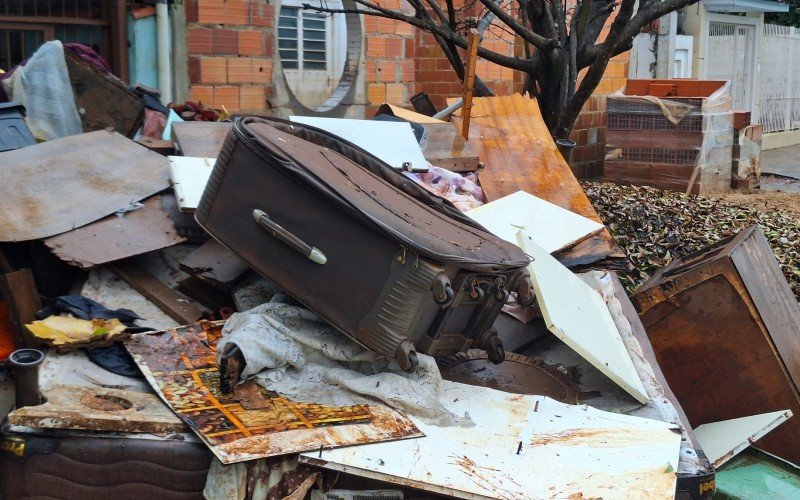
(655, 226)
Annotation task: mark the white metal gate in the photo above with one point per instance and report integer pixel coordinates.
(780, 78)
(730, 56)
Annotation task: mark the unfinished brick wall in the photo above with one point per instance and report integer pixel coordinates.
(230, 46)
(436, 77)
(389, 60)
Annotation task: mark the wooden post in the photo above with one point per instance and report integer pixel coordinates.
(473, 40)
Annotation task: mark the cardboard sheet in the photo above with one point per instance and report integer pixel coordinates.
(551, 227)
(392, 142)
(522, 447)
(59, 185)
(180, 364)
(577, 315)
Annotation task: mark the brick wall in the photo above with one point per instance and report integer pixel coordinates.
(230, 47)
(389, 60)
(590, 129)
(436, 77)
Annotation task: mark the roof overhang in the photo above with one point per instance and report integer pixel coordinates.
(744, 6)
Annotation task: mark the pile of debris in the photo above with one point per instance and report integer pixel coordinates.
(656, 226)
(249, 307)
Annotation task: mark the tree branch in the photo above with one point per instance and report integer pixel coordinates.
(537, 40)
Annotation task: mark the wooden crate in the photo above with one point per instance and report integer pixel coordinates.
(725, 328)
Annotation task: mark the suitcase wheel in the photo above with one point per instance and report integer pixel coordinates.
(494, 349)
(406, 357)
(443, 293)
(526, 295)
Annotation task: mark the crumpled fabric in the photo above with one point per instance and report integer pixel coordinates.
(292, 351)
(269, 478)
(462, 190)
(44, 88)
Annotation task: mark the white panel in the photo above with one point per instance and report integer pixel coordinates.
(722, 441)
(551, 227)
(730, 56)
(522, 447)
(392, 142)
(577, 315)
(189, 176)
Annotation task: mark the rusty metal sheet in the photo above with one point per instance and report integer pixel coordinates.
(116, 237)
(522, 447)
(60, 185)
(519, 153)
(98, 409)
(181, 366)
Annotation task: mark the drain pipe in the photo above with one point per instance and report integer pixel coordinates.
(25, 363)
(163, 38)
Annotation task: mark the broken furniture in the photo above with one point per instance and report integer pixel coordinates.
(671, 134)
(757, 474)
(513, 140)
(102, 99)
(724, 326)
(446, 148)
(721, 441)
(59, 185)
(438, 280)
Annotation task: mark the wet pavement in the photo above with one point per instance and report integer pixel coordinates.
(782, 161)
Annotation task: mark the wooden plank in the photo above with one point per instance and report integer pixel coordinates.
(721, 441)
(94, 91)
(200, 139)
(98, 409)
(447, 149)
(473, 41)
(56, 186)
(22, 301)
(215, 264)
(406, 114)
(519, 153)
(116, 237)
(177, 306)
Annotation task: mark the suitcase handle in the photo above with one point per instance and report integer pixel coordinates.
(279, 232)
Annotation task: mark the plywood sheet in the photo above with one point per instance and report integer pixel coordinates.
(98, 409)
(392, 142)
(200, 139)
(189, 176)
(551, 227)
(67, 183)
(519, 154)
(722, 441)
(522, 447)
(181, 366)
(577, 315)
(116, 237)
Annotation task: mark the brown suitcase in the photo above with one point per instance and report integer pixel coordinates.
(373, 253)
(725, 328)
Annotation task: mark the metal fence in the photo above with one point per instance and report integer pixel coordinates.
(780, 78)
